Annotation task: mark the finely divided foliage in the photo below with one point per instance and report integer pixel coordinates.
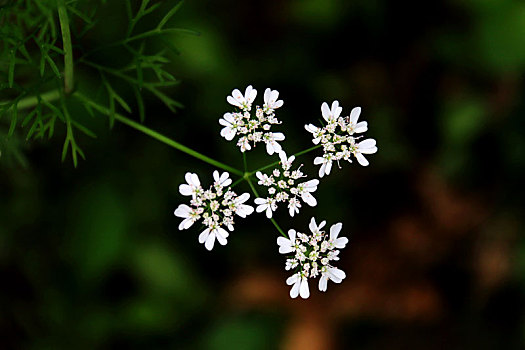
(309, 255)
(46, 52)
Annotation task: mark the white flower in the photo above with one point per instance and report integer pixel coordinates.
(286, 162)
(331, 115)
(353, 126)
(208, 237)
(267, 205)
(332, 273)
(264, 179)
(304, 190)
(243, 102)
(293, 206)
(215, 206)
(244, 144)
(230, 126)
(287, 245)
(271, 139)
(270, 99)
(223, 180)
(300, 286)
(190, 216)
(193, 186)
(241, 209)
(340, 242)
(310, 256)
(337, 138)
(326, 164)
(367, 146)
(317, 132)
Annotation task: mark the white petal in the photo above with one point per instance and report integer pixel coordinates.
(194, 180)
(323, 282)
(260, 201)
(294, 292)
(292, 279)
(354, 115)
(341, 242)
(221, 235)
(210, 241)
(325, 110)
(291, 234)
(228, 133)
(278, 136)
(185, 224)
(269, 212)
(261, 208)
(335, 229)
(361, 127)
(336, 275)
(309, 199)
(312, 226)
(216, 176)
(182, 211)
(304, 290)
(368, 143)
(267, 94)
(328, 167)
(204, 235)
(242, 198)
(361, 159)
(319, 160)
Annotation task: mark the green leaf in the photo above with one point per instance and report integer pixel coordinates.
(84, 129)
(169, 15)
(14, 119)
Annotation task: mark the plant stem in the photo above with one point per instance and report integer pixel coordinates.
(32, 101)
(158, 136)
(254, 190)
(295, 154)
(67, 46)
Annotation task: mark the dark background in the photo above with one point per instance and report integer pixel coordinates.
(91, 258)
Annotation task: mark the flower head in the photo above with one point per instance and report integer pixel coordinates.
(252, 128)
(283, 186)
(310, 256)
(338, 138)
(215, 206)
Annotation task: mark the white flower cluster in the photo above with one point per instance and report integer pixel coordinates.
(337, 138)
(311, 256)
(253, 129)
(283, 186)
(215, 206)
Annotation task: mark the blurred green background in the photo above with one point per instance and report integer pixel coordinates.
(91, 258)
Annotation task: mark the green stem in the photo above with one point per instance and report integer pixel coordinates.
(68, 47)
(32, 101)
(295, 154)
(158, 136)
(254, 190)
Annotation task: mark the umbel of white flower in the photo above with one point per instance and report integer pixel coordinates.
(215, 206)
(311, 255)
(284, 187)
(252, 129)
(338, 138)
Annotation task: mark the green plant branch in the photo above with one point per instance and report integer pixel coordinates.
(158, 136)
(254, 190)
(67, 46)
(244, 162)
(295, 154)
(32, 101)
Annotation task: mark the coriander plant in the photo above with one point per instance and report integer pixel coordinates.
(46, 47)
